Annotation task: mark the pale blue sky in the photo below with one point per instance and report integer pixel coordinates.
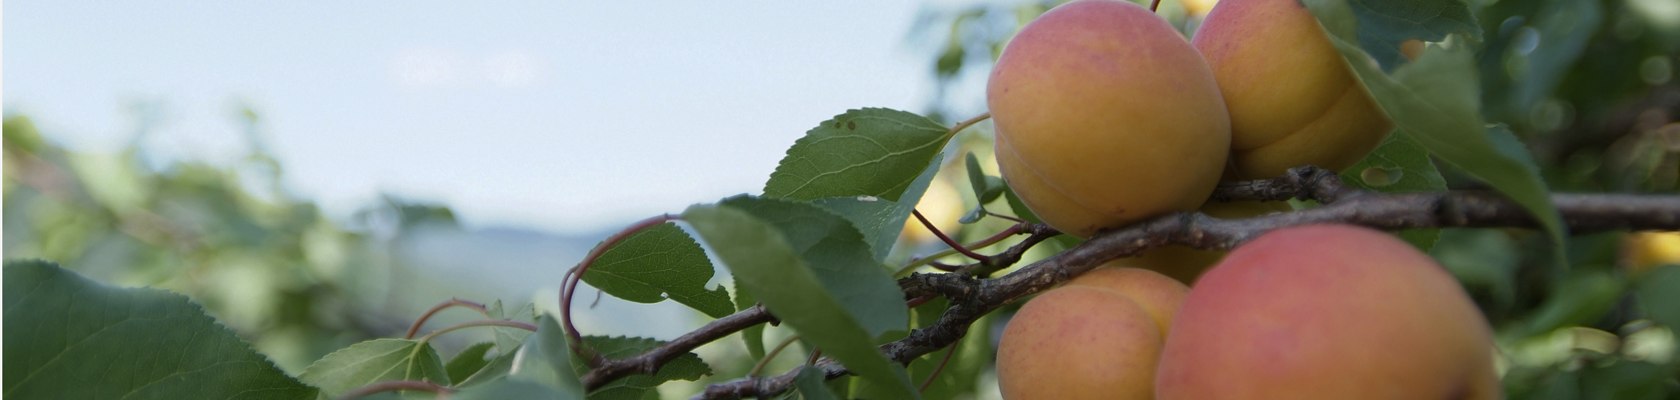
(558, 115)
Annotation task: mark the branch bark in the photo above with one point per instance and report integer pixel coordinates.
(972, 296)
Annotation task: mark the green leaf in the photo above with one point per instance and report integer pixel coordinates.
(468, 361)
(686, 367)
(880, 221)
(512, 389)
(835, 254)
(494, 370)
(1580, 299)
(976, 176)
(986, 188)
(546, 359)
(1435, 102)
(767, 265)
(1383, 25)
(375, 361)
(752, 335)
(68, 337)
(1481, 258)
(1525, 64)
(1658, 291)
(809, 382)
(657, 263)
(509, 338)
(1398, 165)
(869, 152)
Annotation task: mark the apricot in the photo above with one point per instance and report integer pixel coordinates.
(1292, 98)
(1643, 251)
(1105, 115)
(1327, 312)
(1098, 337)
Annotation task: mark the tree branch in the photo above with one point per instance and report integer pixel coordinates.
(972, 298)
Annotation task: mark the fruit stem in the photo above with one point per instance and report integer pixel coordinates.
(1154, 5)
(969, 122)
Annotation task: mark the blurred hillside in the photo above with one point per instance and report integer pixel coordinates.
(294, 281)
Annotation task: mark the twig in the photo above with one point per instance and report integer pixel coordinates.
(941, 366)
(649, 362)
(1018, 228)
(772, 355)
(947, 239)
(470, 324)
(973, 298)
(415, 328)
(574, 275)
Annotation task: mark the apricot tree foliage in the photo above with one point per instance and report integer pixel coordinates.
(814, 254)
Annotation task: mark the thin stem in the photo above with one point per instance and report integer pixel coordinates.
(574, 275)
(967, 123)
(757, 368)
(1011, 218)
(471, 324)
(1154, 5)
(1000, 236)
(454, 302)
(391, 386)
(941, 367)
(947, 239)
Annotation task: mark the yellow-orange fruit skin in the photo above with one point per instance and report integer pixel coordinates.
(1327, 312)
(1644, 251)
(1105, 115)
(1158, 294)
(1098, 337)
(1292, 98)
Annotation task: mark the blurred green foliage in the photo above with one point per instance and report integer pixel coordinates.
(267, 264)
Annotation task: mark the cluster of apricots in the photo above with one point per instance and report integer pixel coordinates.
(1106, 116)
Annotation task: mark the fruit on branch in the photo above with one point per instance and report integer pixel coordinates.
(1328, 312)
(1292, 98)
(1098, 337)
(1185, 263)
(1642, 251)
(1105, 115)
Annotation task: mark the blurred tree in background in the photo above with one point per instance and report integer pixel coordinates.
(268, 264)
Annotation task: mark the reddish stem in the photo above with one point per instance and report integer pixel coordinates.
(391, 386)
(947, 239)
(574, 275)
(454, 302)
(1154, 5)
(941, 367)
(487, 322)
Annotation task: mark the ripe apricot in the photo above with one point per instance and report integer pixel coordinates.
(1106, 115)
